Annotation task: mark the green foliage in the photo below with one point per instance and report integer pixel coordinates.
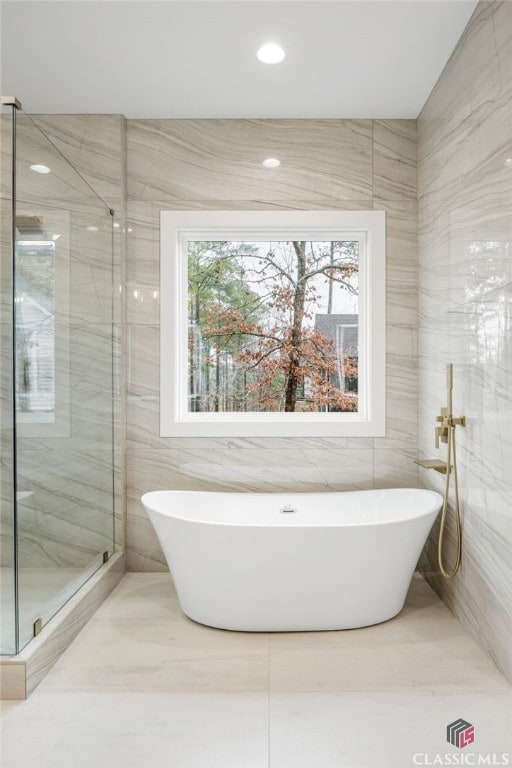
(216, 282)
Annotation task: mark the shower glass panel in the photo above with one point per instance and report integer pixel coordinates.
(7, 549)
(63, 388)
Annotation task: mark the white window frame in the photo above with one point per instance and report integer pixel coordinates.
(179, 227)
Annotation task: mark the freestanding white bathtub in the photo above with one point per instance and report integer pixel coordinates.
(264, 562)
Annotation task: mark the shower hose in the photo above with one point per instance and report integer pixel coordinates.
(451, 456)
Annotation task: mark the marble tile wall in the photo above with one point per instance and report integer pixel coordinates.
(216, 164)
(465, 313)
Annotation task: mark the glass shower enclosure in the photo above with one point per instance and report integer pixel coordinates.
(56, 387)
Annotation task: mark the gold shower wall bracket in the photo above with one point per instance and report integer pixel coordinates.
(445, 421)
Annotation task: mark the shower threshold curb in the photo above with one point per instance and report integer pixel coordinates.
(20, 674)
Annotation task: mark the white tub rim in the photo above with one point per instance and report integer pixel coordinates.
(290, 520)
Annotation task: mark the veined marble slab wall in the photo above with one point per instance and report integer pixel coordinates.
(465, 313)
(216, 165)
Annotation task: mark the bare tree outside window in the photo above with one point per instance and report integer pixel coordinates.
(273, 326)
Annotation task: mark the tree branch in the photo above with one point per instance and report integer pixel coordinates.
(270, 351)
(260, 257)
(211, 335)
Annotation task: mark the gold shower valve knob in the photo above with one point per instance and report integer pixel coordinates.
(441, 434)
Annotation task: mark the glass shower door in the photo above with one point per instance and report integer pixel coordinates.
(63, 396)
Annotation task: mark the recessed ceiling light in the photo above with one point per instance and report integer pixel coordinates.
(271, 162)
(40, 168)
(271, 53)
(116, 225)
(92, 229)
(508, 161)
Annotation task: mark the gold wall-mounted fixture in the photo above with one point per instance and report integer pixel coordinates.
(445, 433)
(446, 420)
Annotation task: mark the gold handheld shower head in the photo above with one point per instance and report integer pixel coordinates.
(449, 376)
(449, 388)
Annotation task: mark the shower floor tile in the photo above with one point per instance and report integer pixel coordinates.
(40, 591)
(144, 686)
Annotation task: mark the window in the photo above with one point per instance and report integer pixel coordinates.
(272, 323)
(42, 319)
(35, 329)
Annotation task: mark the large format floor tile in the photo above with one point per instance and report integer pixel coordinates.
(136, 730)
(384, 730)
(141, 596)
(142, 685)
(163, 654)
(424, 648)
(139, 640)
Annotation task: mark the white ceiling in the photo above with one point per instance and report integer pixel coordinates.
(188, 59)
